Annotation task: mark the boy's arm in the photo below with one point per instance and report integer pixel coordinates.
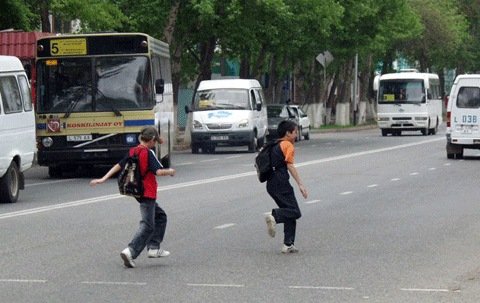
(293, 171)
(165, 172)
(116, 168)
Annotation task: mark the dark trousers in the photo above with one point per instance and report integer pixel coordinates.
(288, 212)
(151, 228)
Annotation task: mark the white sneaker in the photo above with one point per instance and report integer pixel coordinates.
(126, 255)
(289, 249)
(158, 253)
(270, 225)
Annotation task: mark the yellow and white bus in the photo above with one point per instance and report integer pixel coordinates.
(95, 92)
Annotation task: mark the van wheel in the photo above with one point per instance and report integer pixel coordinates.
(300, 130)
(384, 132)
(450, 156)
(424, 131)
(55, 171)
(10, 184)
(252, 147)
(307, 135)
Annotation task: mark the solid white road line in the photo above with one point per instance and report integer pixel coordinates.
(209, 160)
(211, 180)
(50, 182)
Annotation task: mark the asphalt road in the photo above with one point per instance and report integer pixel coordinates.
(388, 219)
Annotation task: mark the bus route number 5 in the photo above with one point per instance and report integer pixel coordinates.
(54, 48)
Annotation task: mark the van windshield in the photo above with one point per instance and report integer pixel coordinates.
(221, 99)
(401, 91)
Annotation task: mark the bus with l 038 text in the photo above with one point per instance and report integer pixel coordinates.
(95, 92)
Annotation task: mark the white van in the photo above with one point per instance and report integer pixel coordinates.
(228, 112)
(463, 116)
(17, 128)
(408, 101)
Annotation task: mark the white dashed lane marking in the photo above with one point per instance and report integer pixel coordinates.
(21, 281)
(322, 287)
(424, 289)
(114, 283)
(224, 226)
(395, 179)
(372, 185)
(312, 201)
(346, 193)
(215, 285)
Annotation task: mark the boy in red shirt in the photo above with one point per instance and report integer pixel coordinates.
(154, 220)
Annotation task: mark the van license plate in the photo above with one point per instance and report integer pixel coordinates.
(219, 138)
(77, 138)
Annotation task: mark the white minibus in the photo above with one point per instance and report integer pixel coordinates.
(228, 112)
(408, 101)
(17, 128)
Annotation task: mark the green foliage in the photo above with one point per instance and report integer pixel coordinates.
(94, 15)
(17, 15)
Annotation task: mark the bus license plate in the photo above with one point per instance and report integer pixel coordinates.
(77, 138)
(219, 138)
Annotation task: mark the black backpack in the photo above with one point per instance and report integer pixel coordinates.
(263, 162)
(130, 179)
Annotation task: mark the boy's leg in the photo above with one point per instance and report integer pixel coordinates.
(159, 231)
(145, 229)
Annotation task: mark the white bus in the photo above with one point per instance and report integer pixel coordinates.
(409, 101)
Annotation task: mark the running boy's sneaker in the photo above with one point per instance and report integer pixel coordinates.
(158, 253)
(126, 255)
(289, 249)
(270, 225)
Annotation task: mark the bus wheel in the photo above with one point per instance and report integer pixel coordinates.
(195, 148)
(10, 184)
(54, 171)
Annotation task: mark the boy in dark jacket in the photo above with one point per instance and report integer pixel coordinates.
(279, 188)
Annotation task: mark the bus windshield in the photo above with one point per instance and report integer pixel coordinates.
(401, 91)
(221, 99)
(94, 84)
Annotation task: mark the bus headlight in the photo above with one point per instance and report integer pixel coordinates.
(47, 142)
(243, 123)
(383, 119)
(131, 138)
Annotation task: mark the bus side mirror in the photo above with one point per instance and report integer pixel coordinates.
(259, 106)
(376, 83)
(159, 86)
(187, 109)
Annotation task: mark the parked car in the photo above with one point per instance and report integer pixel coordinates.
(276, 113)
(302, 120)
